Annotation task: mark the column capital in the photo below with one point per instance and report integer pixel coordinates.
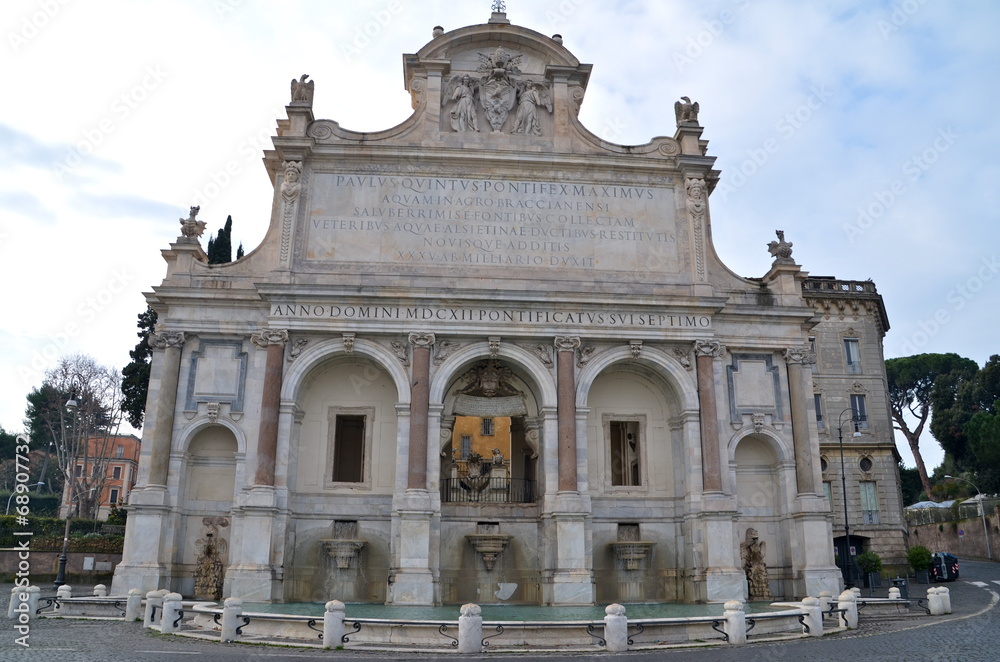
(567, 343)
(421, 339)
(799, 356)
(266, 337)
(166, 339)
(712, 348)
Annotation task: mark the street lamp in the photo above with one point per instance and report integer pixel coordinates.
(71, 406)
(982, 511)
(7, 512)
(848, 564)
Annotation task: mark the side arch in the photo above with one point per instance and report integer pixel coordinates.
(680, 380)
(334, 347)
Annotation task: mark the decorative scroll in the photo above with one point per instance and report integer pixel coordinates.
(697, 207)
(266, 337)
(712, 348)
(166, 339)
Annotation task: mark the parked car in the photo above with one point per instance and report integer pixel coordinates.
(944, 567)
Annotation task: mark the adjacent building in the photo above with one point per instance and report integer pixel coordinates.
(486, 355)
(109, 467)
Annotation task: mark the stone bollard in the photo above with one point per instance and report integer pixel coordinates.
(848, 602)
(470, 629)
(615, 628)
(945, 593)
(15, 601)
(100, 591)
(857, 593)
(333, 624)
(171, 611)
(133, 605)
(154, 603)
(894, 593)
(33, 594)
(64, 591)
(934, 602)
(814, 617)
(232, 611)
(825, 600)
(736, 622)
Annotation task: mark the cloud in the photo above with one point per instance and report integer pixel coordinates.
(28, 205)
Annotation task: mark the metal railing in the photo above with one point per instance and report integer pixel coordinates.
(484, 489)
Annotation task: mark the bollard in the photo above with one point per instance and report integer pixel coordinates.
(736, 622)
(470, 629)
(64, 591)
(33, 594)
(133, 605)
(814, 617)
(894, 593)
(171, 610)
(934, 602)
(232, 610)
(15, 600)
(945, 593)
(333, 624)
(154, 601)
(857, 593)
(100, 591)
(849, 603)
(825, 600)
(615, 628)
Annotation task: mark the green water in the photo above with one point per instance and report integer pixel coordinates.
(502, 612)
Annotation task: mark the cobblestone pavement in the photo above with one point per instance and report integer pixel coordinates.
(968, 635)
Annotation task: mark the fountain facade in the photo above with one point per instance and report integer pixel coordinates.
(345, 576)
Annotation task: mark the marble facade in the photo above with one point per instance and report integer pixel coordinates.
(654, 391)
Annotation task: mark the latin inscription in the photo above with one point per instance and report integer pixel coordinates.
(446, 221)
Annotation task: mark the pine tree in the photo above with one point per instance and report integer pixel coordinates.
(135, 376)
(220, 250)
(239, 251)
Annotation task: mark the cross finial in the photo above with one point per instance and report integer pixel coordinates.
(499, 6)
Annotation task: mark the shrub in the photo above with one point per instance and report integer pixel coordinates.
(869, 562)
(919, 558)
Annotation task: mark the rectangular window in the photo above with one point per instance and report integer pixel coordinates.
(853, 355)
(869, 503)
(812, 352)
(624, 446)
(114, 495)
(828, 491)
(116, 473)
(487, 427)
(79, 470)
(349, 449)
(466, 445)
(859, 411)
(818, 401)
(120, 452)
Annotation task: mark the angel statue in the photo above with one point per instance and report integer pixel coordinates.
(686, 112)
(302, 92)
(530, 95)
(463, 90)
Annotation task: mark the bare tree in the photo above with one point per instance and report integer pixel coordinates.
(78, 408)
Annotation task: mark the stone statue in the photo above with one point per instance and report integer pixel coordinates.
(302, 92)
(497, 88)
(497, 457)
(212, 548)
(292, 186)
(191, 227)
(752, 552)
(463, 91)
(530, 96)
(781, 250)
(686, 112)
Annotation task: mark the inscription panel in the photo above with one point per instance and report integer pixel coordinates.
(455, 222)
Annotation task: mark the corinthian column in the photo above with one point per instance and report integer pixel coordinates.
(273, 340)
(566, 347)
(171, 342)
(796, 358)
(711, 467)
(420, 390)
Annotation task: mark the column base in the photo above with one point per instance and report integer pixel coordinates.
(569, 587)
(252, 583)
(144, 576)
(411, 587)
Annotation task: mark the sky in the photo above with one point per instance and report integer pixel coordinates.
(867, 131)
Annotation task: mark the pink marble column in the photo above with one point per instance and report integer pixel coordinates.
(267, 436)
(172, 344)
(711, 466)
(566, 347)
(420, 388)
(796, 359)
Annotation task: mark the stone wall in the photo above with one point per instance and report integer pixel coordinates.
(944, 536)
(46, 564)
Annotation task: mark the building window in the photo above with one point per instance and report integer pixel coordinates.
(114, 495)
(623, 443)
(866, 464)
(79, 470)
(349, 449)
(828, 492)
(120, 452)
(859, 411)
(812, 352)
(853, 355)
(487, 427)
(116, 473)
(869, 503)
(466, 445)
(818, 401)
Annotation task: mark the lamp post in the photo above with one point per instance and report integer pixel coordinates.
(848, 563)
(982, 511)
(71, 406)
(7, 512)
